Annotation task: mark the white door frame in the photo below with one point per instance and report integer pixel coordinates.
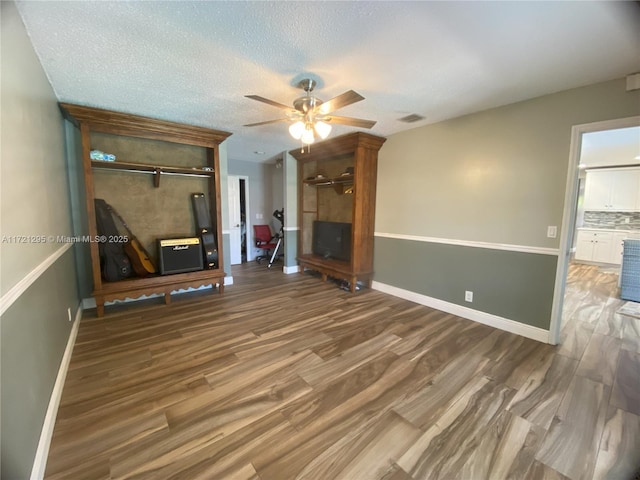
(569, 214)
(247, 217)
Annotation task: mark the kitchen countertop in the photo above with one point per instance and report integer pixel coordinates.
(614, 230)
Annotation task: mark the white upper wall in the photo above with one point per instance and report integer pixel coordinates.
(34, 186)
(497, 176)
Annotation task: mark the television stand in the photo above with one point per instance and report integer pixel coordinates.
(329, 267)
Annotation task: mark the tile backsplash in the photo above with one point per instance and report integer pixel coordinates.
(613, 220)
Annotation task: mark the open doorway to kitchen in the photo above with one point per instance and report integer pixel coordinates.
(602, 208)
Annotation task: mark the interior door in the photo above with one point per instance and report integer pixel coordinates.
(235, 239)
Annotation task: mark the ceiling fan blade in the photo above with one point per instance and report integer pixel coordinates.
(269, 102)
(347, 98)
(353, 122)
(265, 122)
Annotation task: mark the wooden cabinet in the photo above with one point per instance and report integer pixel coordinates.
(150, 186)
(337, 183)
(612, 189)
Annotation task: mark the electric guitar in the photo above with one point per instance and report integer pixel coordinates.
(140, 259)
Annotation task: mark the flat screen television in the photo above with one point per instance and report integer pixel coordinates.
(332, 240)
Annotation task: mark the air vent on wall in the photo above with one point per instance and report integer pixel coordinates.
(414, 117)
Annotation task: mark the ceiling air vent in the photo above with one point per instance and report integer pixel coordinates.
(414, 117)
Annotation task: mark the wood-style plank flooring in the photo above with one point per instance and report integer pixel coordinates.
(285, 377)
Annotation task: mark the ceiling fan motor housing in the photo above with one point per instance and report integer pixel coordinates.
(308, 111)
(306, 104)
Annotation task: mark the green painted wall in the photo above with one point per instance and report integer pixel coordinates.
(496, 176)
(291, 248)
(34, 194)
(35, 200)
(290, 167)
(80, 220)
(512, 285)
(35, 331)
(260, 197)
(226, 257)
(224, 207)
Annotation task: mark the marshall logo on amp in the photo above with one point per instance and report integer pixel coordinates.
(178, 255)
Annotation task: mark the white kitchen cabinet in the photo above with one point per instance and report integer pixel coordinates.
(584, 246)
(594, 246)
(597, 189)
(612, 189)
(601, 246)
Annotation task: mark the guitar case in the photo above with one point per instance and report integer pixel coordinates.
(205, 230)
(114, 262)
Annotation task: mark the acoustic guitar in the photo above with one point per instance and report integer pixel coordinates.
(140, 259)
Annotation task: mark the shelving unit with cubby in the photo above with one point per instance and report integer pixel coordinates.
(327, 193)
(188, 156)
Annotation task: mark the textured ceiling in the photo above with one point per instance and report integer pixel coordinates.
(193, 62)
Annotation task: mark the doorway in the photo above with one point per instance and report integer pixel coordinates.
(571, 210)
(239, 220)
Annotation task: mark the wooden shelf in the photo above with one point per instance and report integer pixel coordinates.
(158, 284)
(98, 121)
(157, 170)
(357, 153)
(327, 182)
(329, 267)
(339, 183)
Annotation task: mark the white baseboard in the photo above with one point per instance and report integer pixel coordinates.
(228, 280)
(40, 460)
(290, 270)
(534, 333)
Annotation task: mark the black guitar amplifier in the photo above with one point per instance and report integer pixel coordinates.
(178, 255)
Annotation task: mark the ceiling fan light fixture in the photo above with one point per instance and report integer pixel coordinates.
(310, 115)
(323, 129)
(307, 136)
(297, 129)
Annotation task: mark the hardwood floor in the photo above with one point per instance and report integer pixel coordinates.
(287, 377)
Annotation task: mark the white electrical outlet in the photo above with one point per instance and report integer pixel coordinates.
(626, 220)
(468, 296)
(552, 231)
(69, 313)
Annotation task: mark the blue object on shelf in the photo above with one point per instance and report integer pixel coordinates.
(100, 155)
